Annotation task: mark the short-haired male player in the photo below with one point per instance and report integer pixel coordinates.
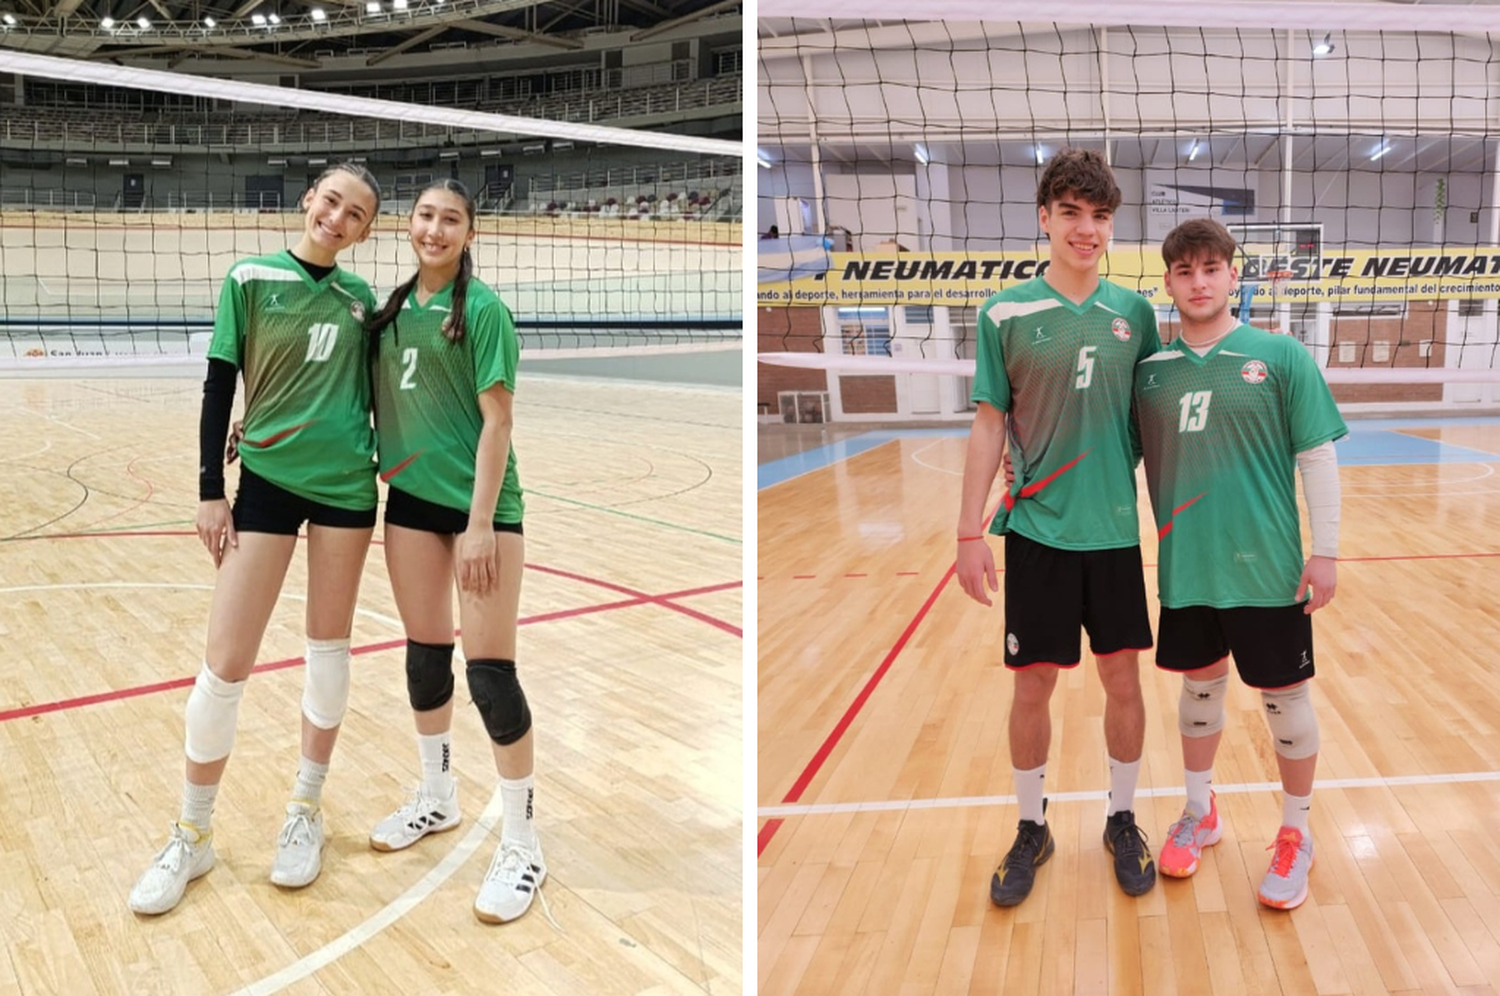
(1056, 360)
(1227, 413)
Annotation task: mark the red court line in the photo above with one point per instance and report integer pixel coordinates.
(41, 708)
(810, 772)
(813, 766)
(150, 490)
(660, 600)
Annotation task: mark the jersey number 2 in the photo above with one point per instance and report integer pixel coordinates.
(1194, 414)
(320, 340)
(409, 358)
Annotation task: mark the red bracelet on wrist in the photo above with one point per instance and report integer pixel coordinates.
(969, 539)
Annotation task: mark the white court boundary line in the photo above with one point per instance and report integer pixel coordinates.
(391, 911)
(981, 801)
(387, 915)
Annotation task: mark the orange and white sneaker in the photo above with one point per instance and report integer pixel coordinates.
(1186, 840)
(1285, 884)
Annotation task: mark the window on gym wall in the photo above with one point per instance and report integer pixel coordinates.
(865, 331)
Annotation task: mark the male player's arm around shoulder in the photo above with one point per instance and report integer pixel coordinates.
(976, 562)
(1319, 468)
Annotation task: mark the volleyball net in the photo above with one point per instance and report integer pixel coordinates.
(1351, 150)
(126, 195)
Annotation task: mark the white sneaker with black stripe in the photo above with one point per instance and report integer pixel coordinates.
(419, 816)
(516, 875)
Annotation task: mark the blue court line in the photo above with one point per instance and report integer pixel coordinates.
(1368, 446)
(784, 469)
(1371, 442)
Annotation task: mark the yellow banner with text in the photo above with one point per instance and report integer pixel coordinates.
(967, 279)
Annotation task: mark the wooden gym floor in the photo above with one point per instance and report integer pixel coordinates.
(885, 781)
(631, 650)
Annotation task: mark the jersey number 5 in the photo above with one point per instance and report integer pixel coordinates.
(1085, 367)
(1194, 415)
(320, 340)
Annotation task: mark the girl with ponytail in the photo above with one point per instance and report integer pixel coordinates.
(445, 352)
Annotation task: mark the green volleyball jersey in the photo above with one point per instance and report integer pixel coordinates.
(1221, 434)
(300, 345)
(427, 398)
(1062, 372)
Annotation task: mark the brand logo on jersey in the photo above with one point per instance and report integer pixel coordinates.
(1040, 337)
(274, 303)
(1150, 383)
(1012, 644)
(1121, 328)
(1254, 372)
(357, 310)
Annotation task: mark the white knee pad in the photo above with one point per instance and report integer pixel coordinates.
(325, 690)
(1200, 711)
(1294, 726)
(213, 709)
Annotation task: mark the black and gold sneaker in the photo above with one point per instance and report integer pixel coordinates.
(1134, 868)
(1016, 872)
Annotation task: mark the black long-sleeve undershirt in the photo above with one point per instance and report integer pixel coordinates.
(218, 408)
(213, 427)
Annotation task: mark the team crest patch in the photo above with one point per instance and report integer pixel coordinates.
(357, 309)
(1254, 372)
(1121, 328)
(1012, 644)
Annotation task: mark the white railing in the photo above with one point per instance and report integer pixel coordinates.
(47, 199)
(581, 182)
(33, 125)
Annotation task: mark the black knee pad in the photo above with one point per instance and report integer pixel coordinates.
(501, 702)
(429, 674)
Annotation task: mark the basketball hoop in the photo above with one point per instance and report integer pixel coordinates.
(1278, 280)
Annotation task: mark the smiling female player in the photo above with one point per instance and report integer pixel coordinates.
(445, 376)
(292, 324)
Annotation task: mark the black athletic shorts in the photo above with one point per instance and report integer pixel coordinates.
(1272, 647)
(1051, 594)
(410, 512)
(263, 507)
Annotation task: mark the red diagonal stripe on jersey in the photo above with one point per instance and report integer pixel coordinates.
(386, 477)
(1167, 527)
(1035, 486)
(262, 443)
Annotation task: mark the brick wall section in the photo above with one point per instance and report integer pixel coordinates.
(868, 395)
(1424, 320)
(786, 330)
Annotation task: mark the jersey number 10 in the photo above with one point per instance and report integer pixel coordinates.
(320, 340)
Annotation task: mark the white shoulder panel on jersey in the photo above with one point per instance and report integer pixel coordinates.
(256, 271)
(1001, 310)
(1165, 356)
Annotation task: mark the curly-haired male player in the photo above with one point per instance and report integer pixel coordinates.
(1056, 363)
